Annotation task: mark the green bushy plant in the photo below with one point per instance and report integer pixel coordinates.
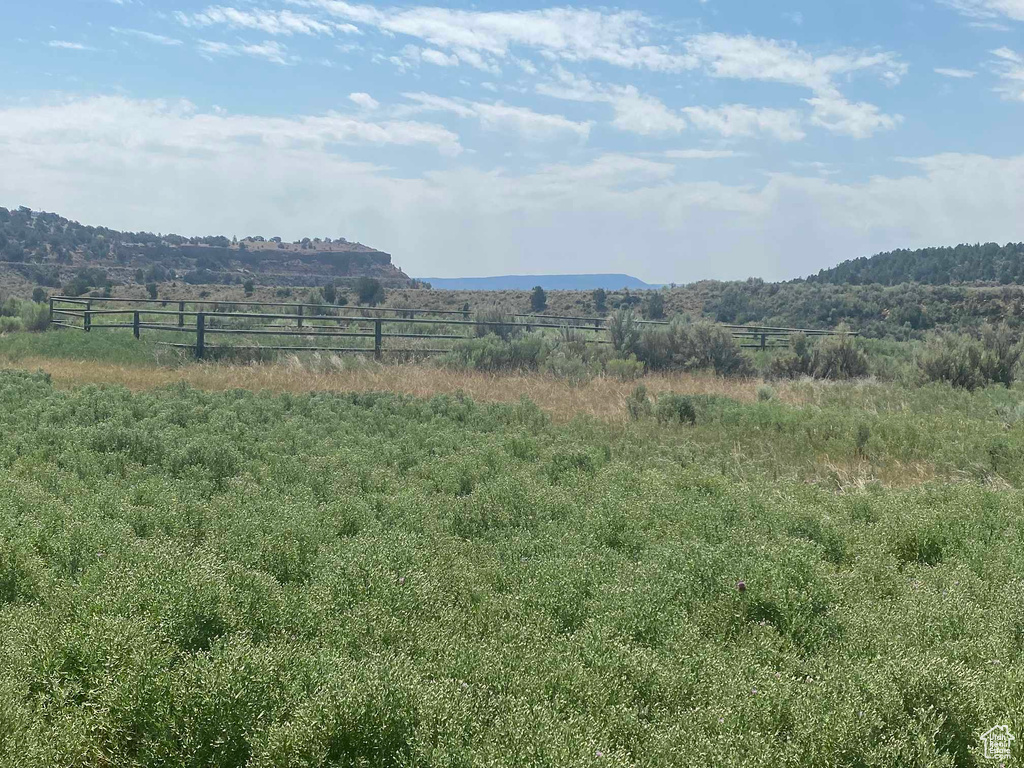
(498, 322)
(638, 404)
(10, 324)
(696, 346)
(831, 357)
(1002, 354)
(492, 353)
(565, 364)
(714, 347)
(624, 369)
(675, 408)
(954, 359)
(35, 317)
(968, 363)
(624, 331)
(839, 357)
(795, 362)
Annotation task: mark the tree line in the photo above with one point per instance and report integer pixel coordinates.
(989, 262)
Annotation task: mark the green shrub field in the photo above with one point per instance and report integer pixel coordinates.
(240, 579)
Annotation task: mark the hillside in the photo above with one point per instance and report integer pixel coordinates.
(50, 250)
(609, 282)
(990, 263)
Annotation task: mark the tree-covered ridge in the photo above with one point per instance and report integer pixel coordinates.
(27, 235)
(990, 262)
(49, 250)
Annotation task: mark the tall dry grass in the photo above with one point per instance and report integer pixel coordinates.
(602, 398)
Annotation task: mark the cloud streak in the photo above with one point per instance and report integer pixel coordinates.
(270, 50)
(69, 46)
(1009, 66)
(988, 9)
(531, 125)
(269, 22)
(151, 128)
(147, 36)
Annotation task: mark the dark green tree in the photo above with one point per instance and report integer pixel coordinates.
(655, 309)
(369, 291)
(538, 299)
(151, 288)
(600, 301)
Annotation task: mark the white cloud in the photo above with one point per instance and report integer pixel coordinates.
(363, 100)
(531, 125)
(69, 45)
(271, 50)
(439, 59)
(962, 74)
(755, 58)
(643, 115)
(703, 154)
(271, 22)
(634, 112)
(734, 120)
(413, 55)
(988, 9)
(168, 167)
(622, 38)
(648, 116)
(1007, 54)
(858, 120)
(148, 36)
(760, 59)
(1009, 65)
(618, 38)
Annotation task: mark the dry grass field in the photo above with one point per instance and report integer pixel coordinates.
(602, 397)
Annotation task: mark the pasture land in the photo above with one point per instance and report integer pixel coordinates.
(824, 574)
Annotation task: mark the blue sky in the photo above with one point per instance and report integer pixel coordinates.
(674, 141)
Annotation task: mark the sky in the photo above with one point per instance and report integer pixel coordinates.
(673, 140)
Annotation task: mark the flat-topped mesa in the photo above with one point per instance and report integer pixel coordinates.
(297, 266)
(48, 249)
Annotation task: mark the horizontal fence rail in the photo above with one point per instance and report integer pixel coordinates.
(311, 322)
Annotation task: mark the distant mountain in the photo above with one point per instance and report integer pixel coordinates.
(990, 262)
(547, 282)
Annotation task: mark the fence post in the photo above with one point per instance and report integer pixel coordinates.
(299, 313)
(181, 314)
(51, 309)
(86, 317)
(764, 341)
(377, 339)
(200, 335)
(135, 324)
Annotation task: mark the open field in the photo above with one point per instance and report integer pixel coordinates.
(331, 562)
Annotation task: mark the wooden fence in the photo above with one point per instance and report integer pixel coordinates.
(317, 326)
